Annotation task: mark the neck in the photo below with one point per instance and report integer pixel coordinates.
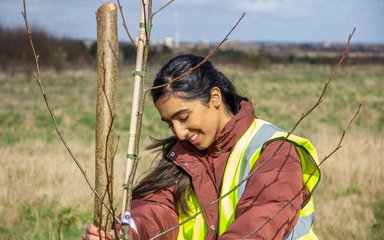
(226, 117)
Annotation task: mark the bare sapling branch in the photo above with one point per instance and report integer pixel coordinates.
(330, 78)
(145, 61)
(161, 8)
(110, 186)
(260, 165)
(99, 216)
(59, 229)
(342, 135)
(212, 52)
(148, 29)
(148, 32)
(148, 25)
(147, 53)
(144, 67)
(304, 115)
(144, 22)
(37, 77)
(133, 150)
(337, 147)
(125, 24)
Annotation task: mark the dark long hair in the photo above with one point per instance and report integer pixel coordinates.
(196, 85)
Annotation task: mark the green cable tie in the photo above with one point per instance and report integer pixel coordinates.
(132, 156)
(138, 73)
(123, 236)
(127, 185)
(145, 25)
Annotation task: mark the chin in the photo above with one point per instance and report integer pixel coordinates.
(201, 148)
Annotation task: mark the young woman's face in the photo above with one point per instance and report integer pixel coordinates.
(193, 121)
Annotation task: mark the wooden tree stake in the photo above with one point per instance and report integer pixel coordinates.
(107, 50)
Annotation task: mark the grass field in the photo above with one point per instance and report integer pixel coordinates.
(41, 188)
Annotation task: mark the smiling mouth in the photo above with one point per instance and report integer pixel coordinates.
(193, 138)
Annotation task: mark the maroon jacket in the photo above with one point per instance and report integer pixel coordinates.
(269, 188)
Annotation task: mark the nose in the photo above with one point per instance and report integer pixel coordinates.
(180, 131)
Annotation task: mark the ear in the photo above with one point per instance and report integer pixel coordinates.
(216, 97)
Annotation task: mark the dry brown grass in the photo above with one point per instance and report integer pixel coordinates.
(350, 185)
(36, 171)
(38, 178)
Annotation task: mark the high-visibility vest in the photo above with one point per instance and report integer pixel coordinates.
(239, 165)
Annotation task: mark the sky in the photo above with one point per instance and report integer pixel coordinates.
(296, 21)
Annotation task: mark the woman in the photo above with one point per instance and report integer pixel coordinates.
(217, 143)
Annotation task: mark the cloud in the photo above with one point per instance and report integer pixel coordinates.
(299, 20)
(259, 6)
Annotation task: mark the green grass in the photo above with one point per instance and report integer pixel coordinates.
(44, 190)
(73, 98)
(378, 225)
(45, 220)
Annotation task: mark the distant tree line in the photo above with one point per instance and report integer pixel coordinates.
(61, 53)
(54, 52)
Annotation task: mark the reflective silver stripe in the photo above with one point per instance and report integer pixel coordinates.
(262, 135)
(302, 227)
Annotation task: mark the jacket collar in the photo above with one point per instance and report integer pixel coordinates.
(234, 129)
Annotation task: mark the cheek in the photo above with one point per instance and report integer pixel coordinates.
(211, 126)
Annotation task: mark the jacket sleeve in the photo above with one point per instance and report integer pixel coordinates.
(154, 214)
(260, 210)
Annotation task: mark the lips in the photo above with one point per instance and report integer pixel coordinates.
(193, 139)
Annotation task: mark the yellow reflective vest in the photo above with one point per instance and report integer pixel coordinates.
(241, 161)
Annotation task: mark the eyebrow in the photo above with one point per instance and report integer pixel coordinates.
(176, 113)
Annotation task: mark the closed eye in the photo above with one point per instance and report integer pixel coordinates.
(181, 119)
(184, 118)
(181, 116)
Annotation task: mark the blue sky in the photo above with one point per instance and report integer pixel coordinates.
(195, 20)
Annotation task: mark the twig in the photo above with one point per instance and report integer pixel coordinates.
(109, 188)
(142, 102)
(111, 202)
(175, 79)
(161, 8)
(330, 78)
(132, 153)
(53, 118)
(139, 113)
(148, 39)
(338, 146)
(144, 67)
(59, 229)
(125, 24)
(258, 166)
(145, 20)
(213, 51)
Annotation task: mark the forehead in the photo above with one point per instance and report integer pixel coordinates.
(169, 106)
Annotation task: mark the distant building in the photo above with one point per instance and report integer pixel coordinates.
(327, 44)
(88, 44)
(168, 41)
